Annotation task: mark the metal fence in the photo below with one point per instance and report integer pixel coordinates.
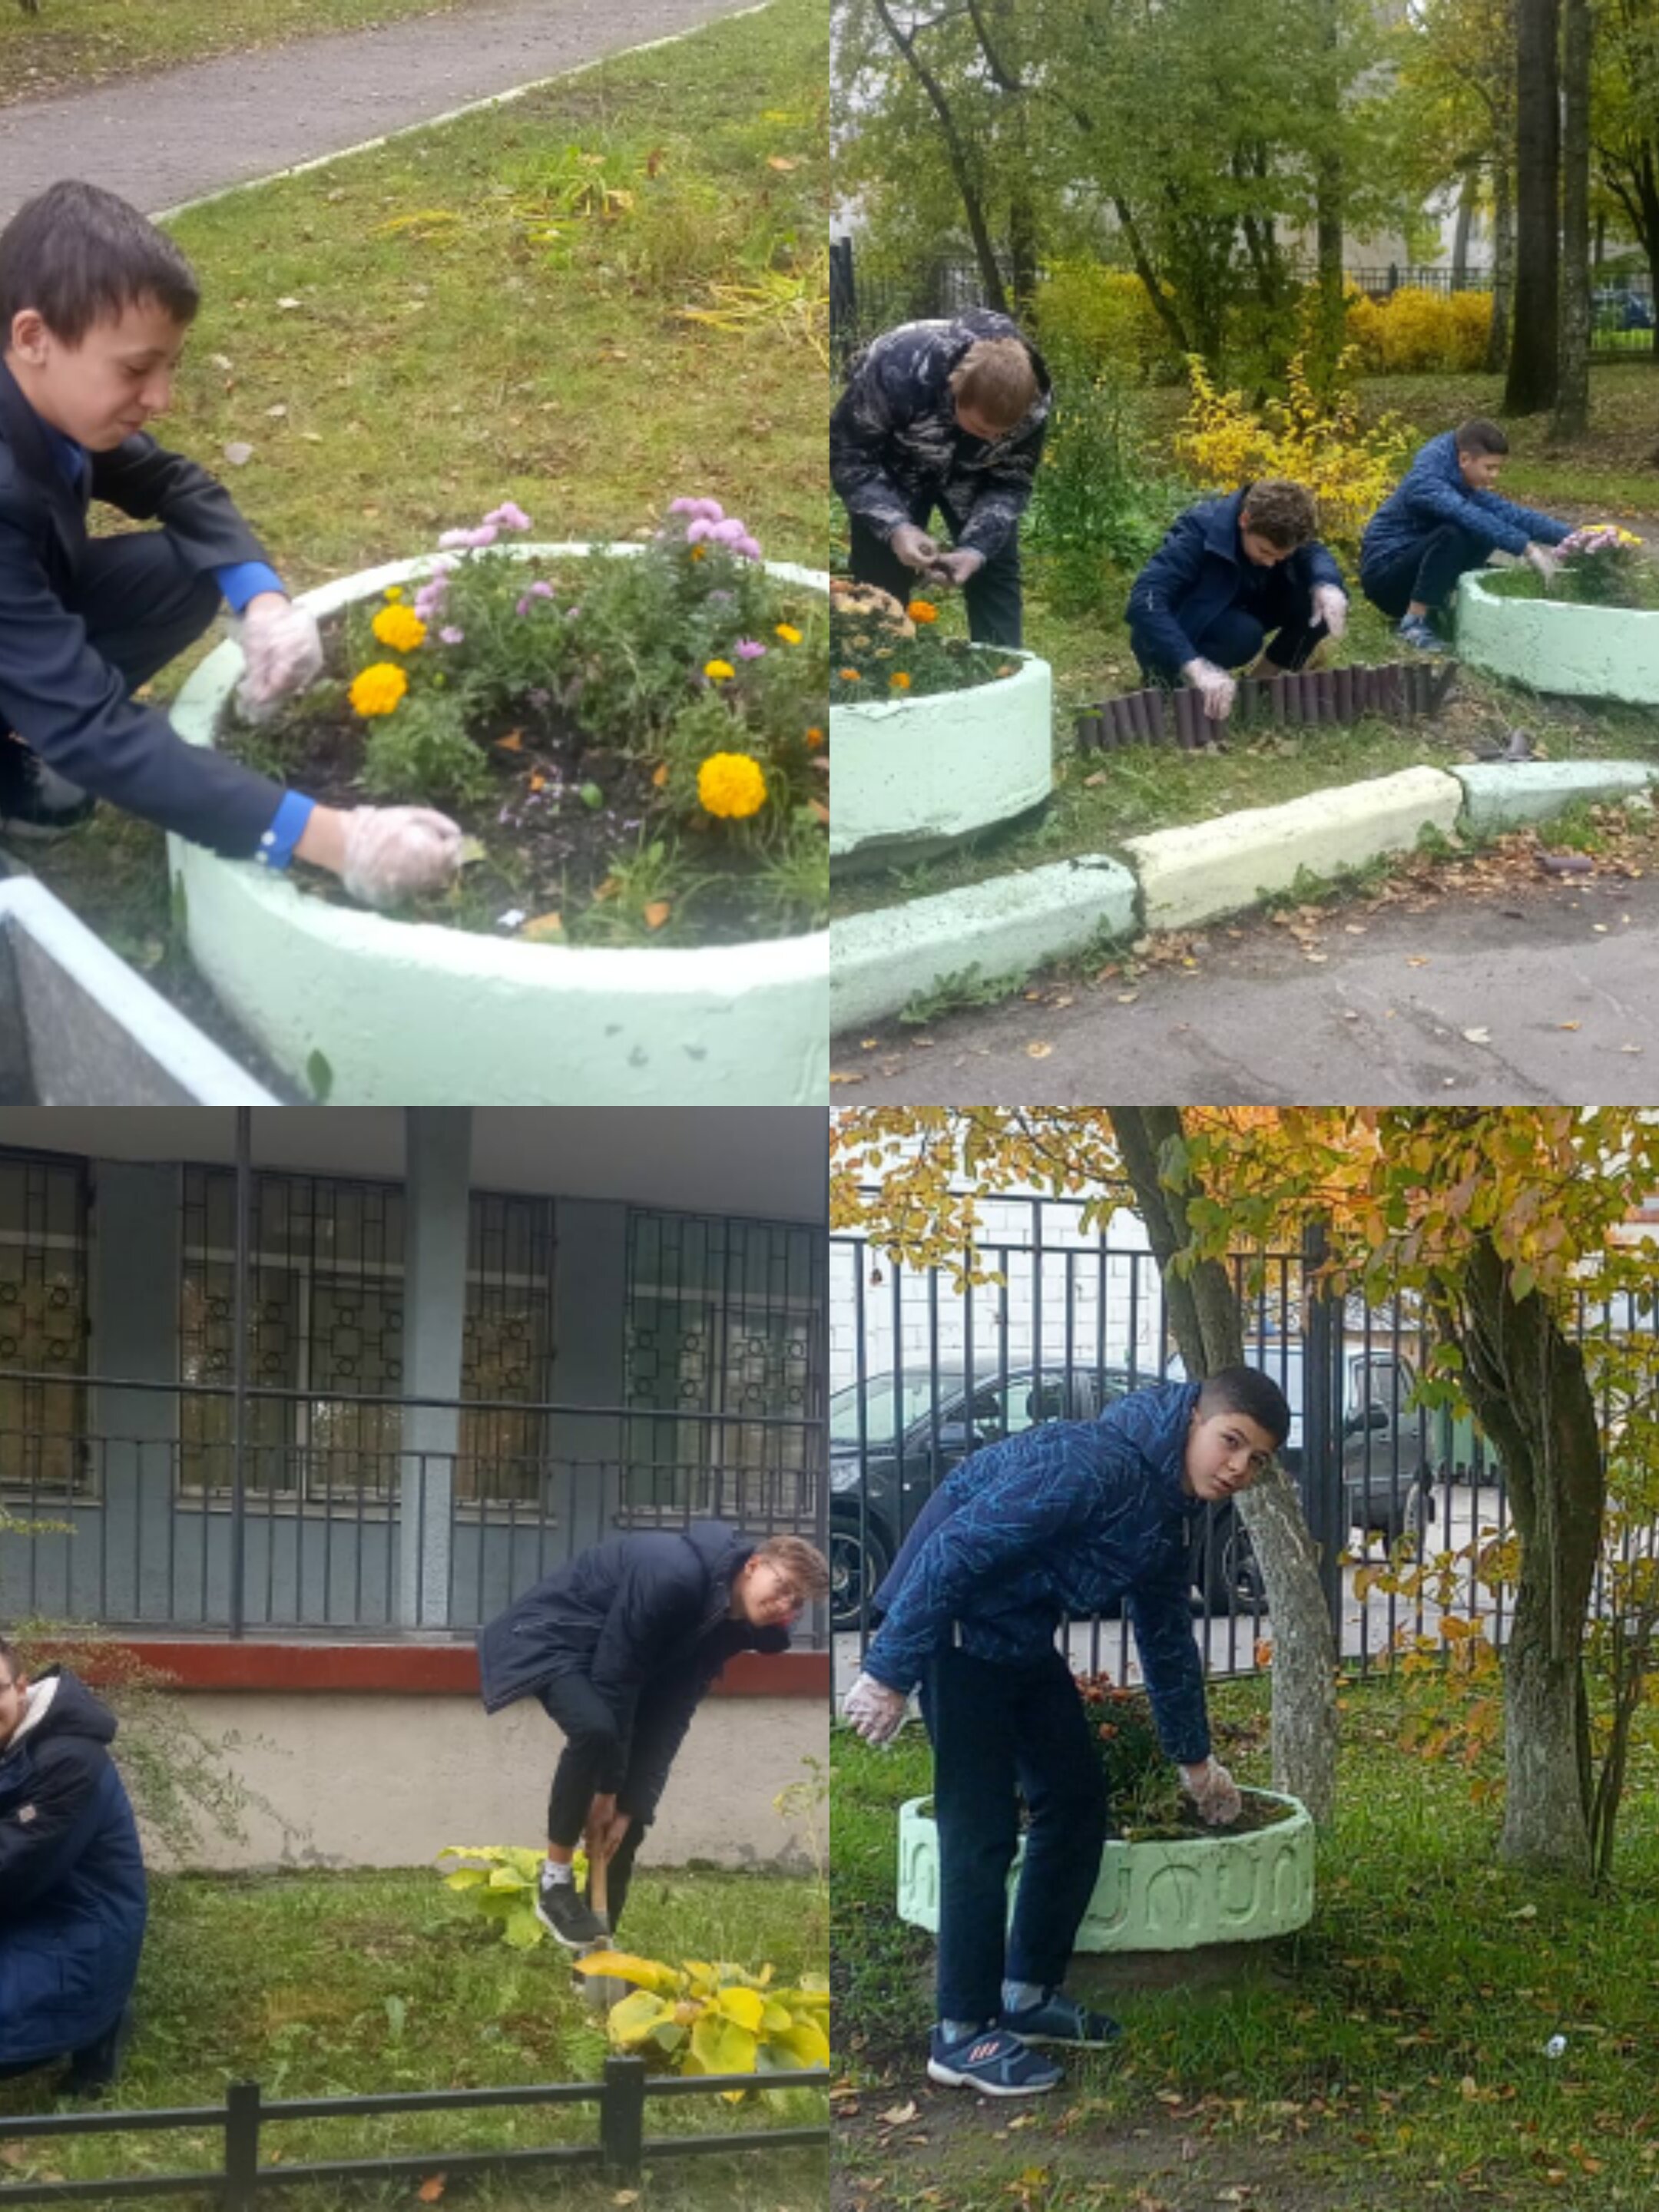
(269, 1527)
(622, 2148)
(867, 297)
(927, 1375)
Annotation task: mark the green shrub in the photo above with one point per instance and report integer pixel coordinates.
(423, 754)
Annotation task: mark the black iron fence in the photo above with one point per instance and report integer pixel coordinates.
(237, 1507)
(620, 2150)
(867, 296)
(927, 1375)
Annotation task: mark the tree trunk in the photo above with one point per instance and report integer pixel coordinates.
(1533, 366)
(1572, 394)
(1329, 186)
(1204, 1316)
(1468, 196)
(955, 153)
(1502, 265)
(1527, 1388)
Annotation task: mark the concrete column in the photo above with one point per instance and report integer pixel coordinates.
(133, 1292)
(437, 1155)
(590, 1289)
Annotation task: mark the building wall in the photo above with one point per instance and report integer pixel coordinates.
(354, 1778)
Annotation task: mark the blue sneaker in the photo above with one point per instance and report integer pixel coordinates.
(1061, 2018)
(1416, 632)
(993, 2061)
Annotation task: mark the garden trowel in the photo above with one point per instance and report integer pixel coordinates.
(600, 1990)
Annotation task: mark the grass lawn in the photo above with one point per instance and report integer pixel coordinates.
(514, 304)
(71, 43)
(1392, 2054)
(347, 1984)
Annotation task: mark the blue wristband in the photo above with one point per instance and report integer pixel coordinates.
(288, 826)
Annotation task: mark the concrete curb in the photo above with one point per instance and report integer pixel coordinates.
(880, 961)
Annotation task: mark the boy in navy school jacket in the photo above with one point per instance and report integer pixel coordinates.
(1445, 516)
(1057, 1522)
(95, 303)
(1232, 575)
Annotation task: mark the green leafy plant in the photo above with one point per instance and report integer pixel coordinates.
(714, 2017)
(424, 755)
(1143, 1789)
(501, 1880)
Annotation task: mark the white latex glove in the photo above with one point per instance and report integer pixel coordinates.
(1215, 687)
(283, 651)
(957, 567)
(1330, 606)
(1543, 559)
(913, 547)
(392, 852)
(1214, 1792)
(873, 1710)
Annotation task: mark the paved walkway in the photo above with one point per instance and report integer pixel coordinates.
(1559, 978)
(162, 140)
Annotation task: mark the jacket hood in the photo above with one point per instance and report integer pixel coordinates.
(1155, 1421)
(721, 1549)
(59, 1704)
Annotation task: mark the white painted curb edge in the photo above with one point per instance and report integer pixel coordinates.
(880, 960)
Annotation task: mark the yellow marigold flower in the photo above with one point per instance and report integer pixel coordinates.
(730, 785)
(393, 592)
(814, 739)
(922, 611)
(850, 676)
(787, 632)
(699, 552)
(718, 671)
(400, 628)
(379, 689)
(899, 680)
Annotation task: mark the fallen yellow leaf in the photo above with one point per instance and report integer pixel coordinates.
(660, 775)
(511, 743)
(543, 926)
(658, 912)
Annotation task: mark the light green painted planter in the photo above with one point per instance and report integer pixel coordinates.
(916, 776)
(411, 1014)
(1218, 1889)
(1590, 653)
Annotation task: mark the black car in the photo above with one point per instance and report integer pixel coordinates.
(915, 1432)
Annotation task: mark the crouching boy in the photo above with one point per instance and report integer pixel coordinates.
(72, 1897)
(1443, 517)
(95, 304)
(1059, 1521)
(1232, 575)
(621, 1645)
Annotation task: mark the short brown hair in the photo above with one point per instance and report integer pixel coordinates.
(803, 1565)
(1282, 512)
(1478, 435)
(78, 255)
(995, 378)
(10, 1660)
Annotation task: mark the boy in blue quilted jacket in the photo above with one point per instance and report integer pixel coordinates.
(1444, 516)
(1056, 1522)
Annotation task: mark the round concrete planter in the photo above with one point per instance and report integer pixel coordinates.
(916, 776)
(1548, 645)
(1218, 1889)
(372, 1011)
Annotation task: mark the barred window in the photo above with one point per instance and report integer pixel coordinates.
(326, 1321)
(724, 1317)
(43, 1326)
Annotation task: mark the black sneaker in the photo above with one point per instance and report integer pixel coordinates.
(564, 1915)
(36, 803)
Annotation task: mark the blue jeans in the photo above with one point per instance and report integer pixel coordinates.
(1427, 570)
(996, 1731)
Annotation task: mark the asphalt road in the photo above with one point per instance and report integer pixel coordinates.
(1380, 1016)
(181, 134)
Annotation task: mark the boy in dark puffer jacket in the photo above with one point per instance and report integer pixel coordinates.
(72, 1896)
(621, 1645)
(1057, 1522)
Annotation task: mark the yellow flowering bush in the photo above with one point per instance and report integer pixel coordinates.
(1414, 331)
(1349, 468)
(732, 785)
(378, 689)
(400, 628)
(1103, 316)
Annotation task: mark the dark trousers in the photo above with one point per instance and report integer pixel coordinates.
(142, 606)
(1427, 570)
(996, 1731)
(1236, 638)
(993, 596)
(586, 1764)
